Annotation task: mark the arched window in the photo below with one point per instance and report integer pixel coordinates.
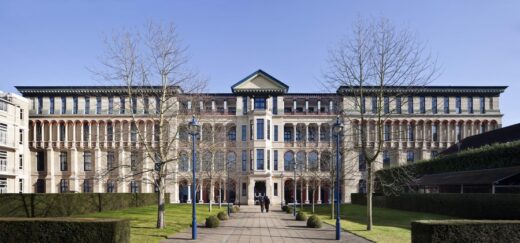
(300, 160)
(232, 134)
(362, 186)
(184, 163)
(219, 161)
(313, 161)
(288, 158)
(231, 161)
(207, 163)
(326, 161)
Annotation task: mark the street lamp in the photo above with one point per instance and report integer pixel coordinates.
(338, 129)
(294, 201)
(193, 130)
(228, 189)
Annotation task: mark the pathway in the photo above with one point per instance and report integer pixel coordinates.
(249, 225)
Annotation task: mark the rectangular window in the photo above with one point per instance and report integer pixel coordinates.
(87, 161)
(446, 105)
(275, 160)
(361, 162)
(275, 135)
(244, 104)
(3, 106)
(110, 105)
(64, 185)
(51, 105)
(3, 133)
(275, 105)
(374, 104)
(458, 105)
(87, 185)
(435, 132)
(110, 159)
(134, 105)
(410, 156)
(244, 160)
(75, 105)
(122, 105)
(87, 105)
(386, 104)
(398, 105)
(110, 132)
(259, 159)
(99, 104)
(146, 104)
(20, 136)
(133, 133)
(422, 104)
(434, 154)
(86, 132)
(410, 104)
(482, 105)
(63, 161)
(275, 189)
(158, 105)
(3, 161)
(388, 130)
(470, 105)
(251, 168)
(63, 105)
(411, 134)
(20, 185)
(244, 132)
(268, 129)
(40, 161)
(40, 105)
(20, 161)
(134, 187)
(260, 103)
(434, 105)
(244, 189)
(362, 105)
(268, 159)
(40, 186)
(21, 114)
(386, 159)
(287, 134)
(133, 160)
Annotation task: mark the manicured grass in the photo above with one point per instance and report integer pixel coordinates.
(389, 225)
(143, 220)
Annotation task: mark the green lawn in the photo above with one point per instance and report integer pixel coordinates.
(143, 220)
(389, 225)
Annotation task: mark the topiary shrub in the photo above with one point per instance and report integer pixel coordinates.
(212, 222)
(222, 216)
(314, 222)
(289, 210)
(301, 216)
(284, 208)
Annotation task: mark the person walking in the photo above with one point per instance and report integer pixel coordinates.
(267, 201)
(262, 203)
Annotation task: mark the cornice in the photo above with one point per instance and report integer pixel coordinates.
(90, 90)
(424, 90)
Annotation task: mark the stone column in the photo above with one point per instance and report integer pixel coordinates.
(189, 194)
(319, 194)
(201, 199)
(306, 192)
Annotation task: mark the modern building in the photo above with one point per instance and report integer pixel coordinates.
(15, 169)
(260, 128)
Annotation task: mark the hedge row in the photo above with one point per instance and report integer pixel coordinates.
(471, 206)
(66, 204)
(465, 231)
(64, 230)
(486, 157)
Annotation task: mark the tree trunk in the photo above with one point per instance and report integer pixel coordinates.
(313, 196)
(210, 196)
(369, 196)
(160, 205)
(301, 196)
(332, 203)
(219, 194)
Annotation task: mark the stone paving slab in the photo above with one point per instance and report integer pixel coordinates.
(250, 225)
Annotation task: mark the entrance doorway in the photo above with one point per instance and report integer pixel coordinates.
(259, 189)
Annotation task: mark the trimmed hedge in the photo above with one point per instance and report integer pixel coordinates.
(314, 222)
(301, 216)
(465, 231)
(471, 205)
(64, 230)
(66, 204)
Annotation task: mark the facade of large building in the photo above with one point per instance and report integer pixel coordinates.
(77, 132)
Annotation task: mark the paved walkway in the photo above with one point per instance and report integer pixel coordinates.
(252, 226)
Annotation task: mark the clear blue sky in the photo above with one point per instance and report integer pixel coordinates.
(52, 42)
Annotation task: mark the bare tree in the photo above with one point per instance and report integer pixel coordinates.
(150, 65)
(379, 61)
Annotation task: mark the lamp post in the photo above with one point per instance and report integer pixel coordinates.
(193, 130)
(294, 201)
(338, 129)
(228, 190)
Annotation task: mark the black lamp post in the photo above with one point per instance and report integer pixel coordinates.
(193, 130)
(338, 129)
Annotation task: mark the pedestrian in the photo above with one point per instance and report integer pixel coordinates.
(262, 201)
(267, 201)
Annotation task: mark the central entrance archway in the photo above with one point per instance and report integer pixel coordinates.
(259, 189)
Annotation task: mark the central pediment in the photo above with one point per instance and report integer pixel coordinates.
(259, 82)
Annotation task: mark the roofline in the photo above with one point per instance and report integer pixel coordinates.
(90, 89)
(260, 71)
(345, 89)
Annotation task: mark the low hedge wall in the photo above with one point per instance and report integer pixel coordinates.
(64, 230)
(465, 231)
(66, 204)
(471, 206)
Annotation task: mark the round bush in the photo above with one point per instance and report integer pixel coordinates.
(314, 222)
(284, 208)
(301, 216)
(222, 216)
(212, 222)
(289, 210)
